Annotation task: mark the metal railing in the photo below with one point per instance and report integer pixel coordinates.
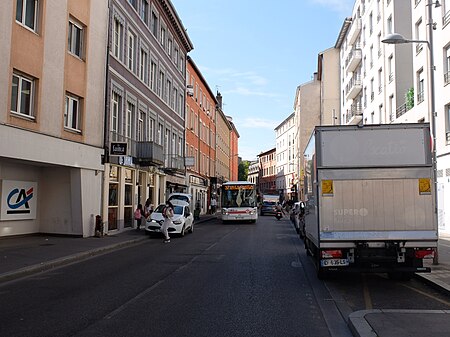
(147, 153)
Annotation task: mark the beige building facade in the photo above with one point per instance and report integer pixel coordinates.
(52, 80)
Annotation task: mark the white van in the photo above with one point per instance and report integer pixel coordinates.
(181, 196)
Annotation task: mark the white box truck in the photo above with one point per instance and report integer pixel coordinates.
(370, 199)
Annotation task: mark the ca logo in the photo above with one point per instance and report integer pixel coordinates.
(18, 201)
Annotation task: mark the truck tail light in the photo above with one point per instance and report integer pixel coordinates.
(331, 254)
(427, 253)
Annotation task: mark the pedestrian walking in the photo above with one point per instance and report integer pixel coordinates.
(213, 205)
(148, 208)
(168, 215)
(139, 214)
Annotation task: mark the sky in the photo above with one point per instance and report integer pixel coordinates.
(256, 53)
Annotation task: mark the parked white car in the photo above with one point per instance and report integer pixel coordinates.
(182, 221)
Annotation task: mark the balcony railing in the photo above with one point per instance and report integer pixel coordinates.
(446, 18)
(354, 115)
(420, 97)
(353, 59)
(145, 153)
(447, 77)
(174, 163)
(354, 86)
(355, 29)
(391, 77)
(419, 48)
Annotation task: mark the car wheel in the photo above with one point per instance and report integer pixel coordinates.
(191, 229)
(183, 231)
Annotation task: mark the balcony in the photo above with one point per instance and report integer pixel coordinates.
(144, 153)
(149, 154)
(447, 78)
(354, 116)
(353, 59)
(353, 87)
(355, 30)
(173, 163)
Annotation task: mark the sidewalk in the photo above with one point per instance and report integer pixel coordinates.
(26, 255)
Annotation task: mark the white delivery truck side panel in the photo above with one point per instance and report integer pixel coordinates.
(371, 201)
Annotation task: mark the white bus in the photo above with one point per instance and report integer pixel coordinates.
(238, 201)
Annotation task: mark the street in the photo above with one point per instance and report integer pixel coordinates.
(222, 280)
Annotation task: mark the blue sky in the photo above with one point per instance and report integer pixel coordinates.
(256, 53)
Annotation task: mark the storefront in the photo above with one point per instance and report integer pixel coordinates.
(125, 188)
(198, 187)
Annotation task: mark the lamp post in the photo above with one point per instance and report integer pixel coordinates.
(399, 39)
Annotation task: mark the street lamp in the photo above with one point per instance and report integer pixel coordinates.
(399, 39)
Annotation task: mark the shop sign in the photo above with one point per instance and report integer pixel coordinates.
(118, 149)
(18, 200)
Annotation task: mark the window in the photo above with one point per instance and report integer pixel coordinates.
(75, 43)
(26, 13)
(391, 74)
(152, 130)
(144, 11)
(418, 29)
(162, 37)
(160, 134)
(168, 91)
(143, 69)
(153, 75)
(389, 25)
(117, 37)
(134, 3)
(447, 123)
(22, 94)
(154, 27)
(140, 127)
(115, 107)
(447, 65)
(161, 84)
(131, 51)
(72, 113)
(169, 47)
(129, 120)
(420, 87)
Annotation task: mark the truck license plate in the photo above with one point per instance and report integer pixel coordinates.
(334, 262)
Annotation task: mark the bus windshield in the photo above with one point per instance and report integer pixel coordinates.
(238, 195)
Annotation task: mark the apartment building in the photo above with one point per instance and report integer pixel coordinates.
(253, 174)
(200, 137)
(382, 83)
(286, 168)
(234, 151)
(52, 80)
(224, 149)
(374, 78)
(145, 108)
(307, 111)
(267, 172)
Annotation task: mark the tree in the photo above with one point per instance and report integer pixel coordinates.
(243, 170)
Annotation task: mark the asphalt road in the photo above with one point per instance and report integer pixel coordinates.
(222, 280)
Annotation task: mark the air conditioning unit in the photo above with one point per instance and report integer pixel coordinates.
(190, 90)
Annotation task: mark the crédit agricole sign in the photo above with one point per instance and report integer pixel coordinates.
(18, 200)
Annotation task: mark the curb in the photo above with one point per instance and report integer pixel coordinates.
(360, 326)
(47, 265)
(433, 282)
(44, 266)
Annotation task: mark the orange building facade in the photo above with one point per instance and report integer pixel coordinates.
(200, 138)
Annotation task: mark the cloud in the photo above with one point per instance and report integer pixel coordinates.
(257, 123)
(232, 75)
(248, 92)
(341, 6)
